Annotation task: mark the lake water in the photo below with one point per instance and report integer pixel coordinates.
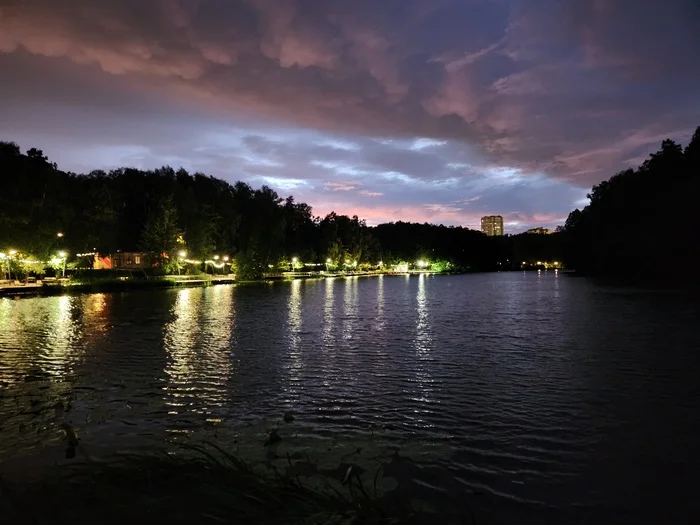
(540, 398)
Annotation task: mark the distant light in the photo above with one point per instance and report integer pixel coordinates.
(216, 257)
(59, 234)
(328, 261)
(225, 257)
(556, 263)
(381, 263)
(13, 252)
(524, 262)
(183, 254)
(62, 255)
(354, 263)
(294, 260)
(422, 263)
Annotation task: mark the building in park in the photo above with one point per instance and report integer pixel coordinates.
(130, 261)
(539, 231)
(492, 225)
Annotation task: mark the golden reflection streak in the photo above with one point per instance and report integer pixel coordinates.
(328, 315)
(350, 310)
(380, 300)
(198, 344)
(49, 335)
(294, 321)
(61, 350)
(423, 344)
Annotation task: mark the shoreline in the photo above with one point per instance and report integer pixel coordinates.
(112, 286)
(115, 286)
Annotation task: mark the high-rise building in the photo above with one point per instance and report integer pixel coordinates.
(492, 225)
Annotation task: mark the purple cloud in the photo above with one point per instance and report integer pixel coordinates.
(414, 109)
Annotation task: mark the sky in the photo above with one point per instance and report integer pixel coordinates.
(417, 110)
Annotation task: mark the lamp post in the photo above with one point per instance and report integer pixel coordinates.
(62, 255)
(328, 263)
(11, 253)
(225, 272)
(294, 263)
(182, 255)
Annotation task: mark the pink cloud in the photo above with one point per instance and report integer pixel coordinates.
(456, 96)
(348, 185)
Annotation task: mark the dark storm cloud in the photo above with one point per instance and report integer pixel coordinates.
(519, 104)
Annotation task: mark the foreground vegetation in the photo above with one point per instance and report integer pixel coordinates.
(206, 485)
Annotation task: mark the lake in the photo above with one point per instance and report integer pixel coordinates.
(537, 397)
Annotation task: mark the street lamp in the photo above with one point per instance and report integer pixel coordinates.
(59, 235)
(62, 255)
(9, 263)
(328, 263)
(294, 262)
(182, 255)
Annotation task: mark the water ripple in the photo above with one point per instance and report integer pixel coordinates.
(537, 392)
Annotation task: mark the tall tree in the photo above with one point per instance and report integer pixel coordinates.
(161, 236)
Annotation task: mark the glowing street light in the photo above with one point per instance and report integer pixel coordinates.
(13, 252)
(182, 254)
(328, 263)
(294, 262)
(216, 257)
(62, 255)
(59, 234)
(225, 258)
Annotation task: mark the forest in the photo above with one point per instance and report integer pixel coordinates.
(640, 223)
(639, 219)
(165, 211)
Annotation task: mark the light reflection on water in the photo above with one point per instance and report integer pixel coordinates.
(294, 337)
(537, 385)
(200, 362)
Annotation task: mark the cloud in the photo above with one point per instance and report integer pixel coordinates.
(424, 103)
(348, 185)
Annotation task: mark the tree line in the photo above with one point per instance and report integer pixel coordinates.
(638, 219)
(641, 222)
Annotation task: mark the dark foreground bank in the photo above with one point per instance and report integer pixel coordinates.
(207, 485)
